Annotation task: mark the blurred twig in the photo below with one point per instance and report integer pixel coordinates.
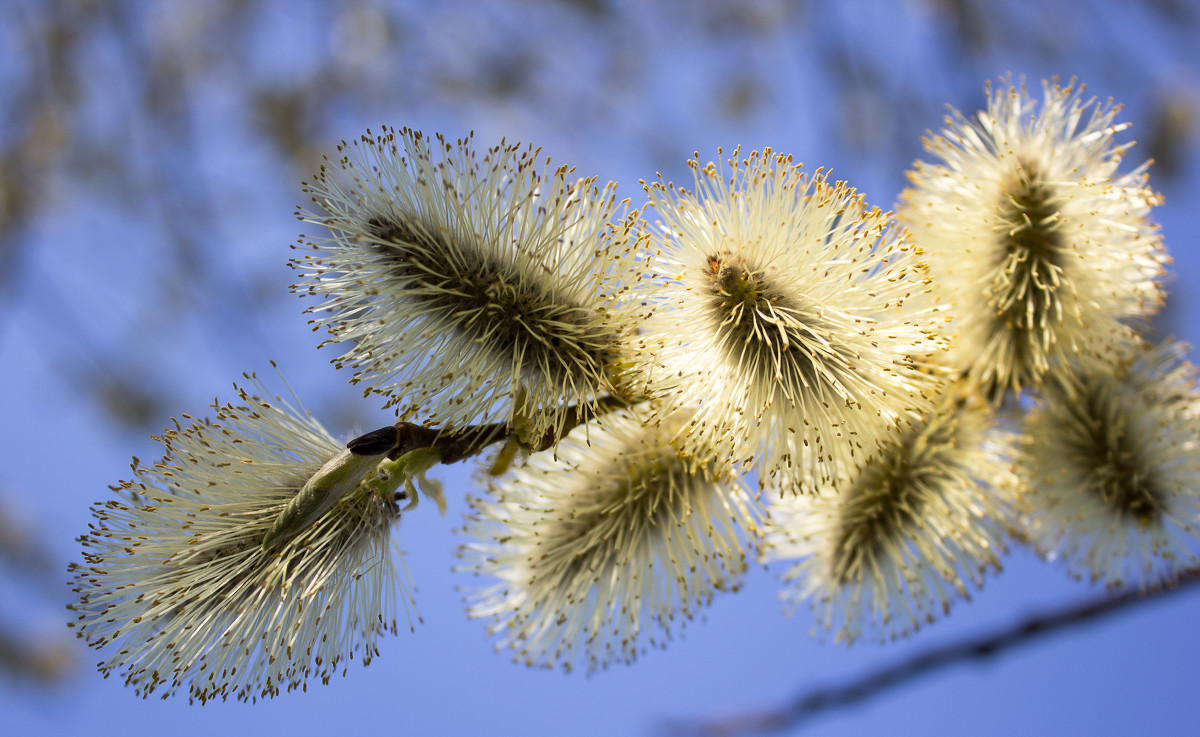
(827, 698)
(25, 656)
(43, 661)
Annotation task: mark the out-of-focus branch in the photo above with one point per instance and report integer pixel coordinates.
(41, 660)
(23, 551)
(827, 698)
(27, 566)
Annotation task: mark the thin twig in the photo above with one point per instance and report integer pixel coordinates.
(826, 698)
(463, 443)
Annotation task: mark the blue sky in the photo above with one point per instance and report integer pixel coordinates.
(85, 277)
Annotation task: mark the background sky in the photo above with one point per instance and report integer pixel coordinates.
(150, 165)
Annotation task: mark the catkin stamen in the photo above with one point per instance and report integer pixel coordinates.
(771, 337)
(1025, 290)
(1101, 434)
(543, 337)
(885, 502)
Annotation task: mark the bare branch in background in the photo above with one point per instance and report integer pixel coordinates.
(30, 569)
(822, 700)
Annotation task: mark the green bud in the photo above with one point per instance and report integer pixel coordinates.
(341, 474)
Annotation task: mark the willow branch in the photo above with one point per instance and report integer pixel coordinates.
(457, 445)
(827, 698)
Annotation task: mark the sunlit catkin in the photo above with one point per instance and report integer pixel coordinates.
(1113, 460)
(176, 584)
(590, 555)
(794, 316)
(1044, 251)
(893, 544)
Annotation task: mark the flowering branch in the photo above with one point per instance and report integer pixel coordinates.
(808, 705)
(772, 322)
